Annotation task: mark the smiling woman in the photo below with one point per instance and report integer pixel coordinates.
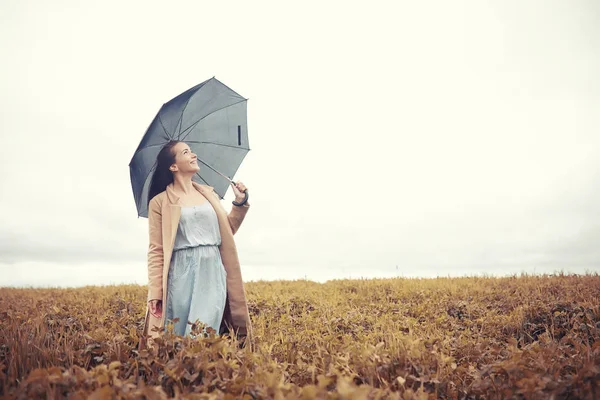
(193, 267)
(174, 157)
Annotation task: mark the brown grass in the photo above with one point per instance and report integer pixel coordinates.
(529, 337)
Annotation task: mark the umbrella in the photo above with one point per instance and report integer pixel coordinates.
(211, 118)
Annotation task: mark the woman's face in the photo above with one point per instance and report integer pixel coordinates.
(186, 161)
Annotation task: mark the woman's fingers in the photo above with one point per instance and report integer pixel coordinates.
(239, 186)
(155, 308)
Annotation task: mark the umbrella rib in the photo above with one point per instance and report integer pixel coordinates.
(182, 111)
(164, 129)
(147, 147)
(228, 87)
(217, 144)
(203, 180)
(212, 100)
(188, 130)
(146, 178)
(210, 113)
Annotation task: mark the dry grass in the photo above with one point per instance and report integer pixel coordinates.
(518, 337)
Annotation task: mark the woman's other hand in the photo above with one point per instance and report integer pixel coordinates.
(238, 190)
(155, 308)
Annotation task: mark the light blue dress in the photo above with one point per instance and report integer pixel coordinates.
(197, 280)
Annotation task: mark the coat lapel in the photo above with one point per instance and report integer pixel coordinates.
(171, 215)
(175, 215)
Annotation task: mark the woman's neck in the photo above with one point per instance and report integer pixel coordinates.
(183, 184)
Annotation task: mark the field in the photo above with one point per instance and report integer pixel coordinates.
(526, 337)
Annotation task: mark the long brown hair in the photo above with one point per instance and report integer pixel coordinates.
(162, 175)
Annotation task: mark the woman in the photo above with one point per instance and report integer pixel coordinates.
(193, 267)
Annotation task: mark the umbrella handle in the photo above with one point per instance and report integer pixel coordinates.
(235, 203)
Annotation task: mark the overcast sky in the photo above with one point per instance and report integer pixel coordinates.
(395, 138)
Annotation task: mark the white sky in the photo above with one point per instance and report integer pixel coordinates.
(388, 138)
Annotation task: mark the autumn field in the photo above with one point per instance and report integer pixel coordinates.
(525, 337)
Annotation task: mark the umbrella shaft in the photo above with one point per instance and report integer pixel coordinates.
(226, 177)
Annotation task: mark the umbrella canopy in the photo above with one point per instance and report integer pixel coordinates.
(212, 119)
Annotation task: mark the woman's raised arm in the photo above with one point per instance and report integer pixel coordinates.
(236, 215)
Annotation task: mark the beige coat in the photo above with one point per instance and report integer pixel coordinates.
(164, 212)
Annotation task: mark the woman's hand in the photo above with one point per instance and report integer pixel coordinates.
(155, 308)
(238, 190)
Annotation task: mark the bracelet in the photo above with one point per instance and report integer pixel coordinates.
(241, 203)
(235, 203)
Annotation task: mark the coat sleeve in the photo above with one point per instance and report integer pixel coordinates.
(155, 251)
(236, 215)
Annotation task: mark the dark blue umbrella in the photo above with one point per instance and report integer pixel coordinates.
(211, 118)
